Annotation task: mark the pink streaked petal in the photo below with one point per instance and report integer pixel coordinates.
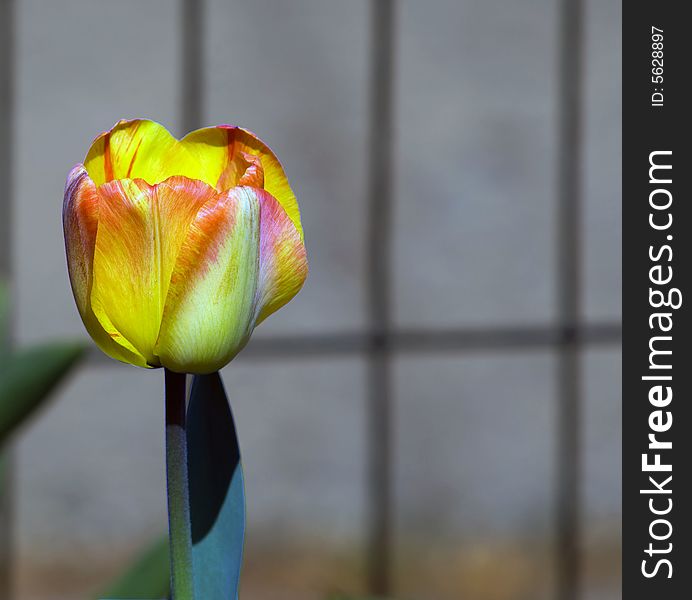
(283, 259)
(209, 311)
(80, 223)
(217, 148)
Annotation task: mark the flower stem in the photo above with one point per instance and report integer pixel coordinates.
(179, 529)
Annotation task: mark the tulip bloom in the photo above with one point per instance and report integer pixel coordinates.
(178, 249)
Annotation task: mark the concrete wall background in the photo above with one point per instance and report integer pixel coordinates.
(474, 245)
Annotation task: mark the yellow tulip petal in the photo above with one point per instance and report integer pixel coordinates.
(246, 169)
(141, 229)
(210, 309)
(283, 260)
(80, 224)
(138, 149)
(216, 150)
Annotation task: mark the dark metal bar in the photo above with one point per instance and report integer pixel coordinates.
(509, 339)
(379, 271)
(6, 122)
(501, 339)
(192, 64)
(7, 58)
(569, 371)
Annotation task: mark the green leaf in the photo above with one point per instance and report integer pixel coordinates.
(147, 577)
(28, 377)
(217, 496)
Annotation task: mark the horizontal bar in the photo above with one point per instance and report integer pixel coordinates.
(425, 341)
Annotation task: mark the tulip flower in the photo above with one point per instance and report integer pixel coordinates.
(178, 249)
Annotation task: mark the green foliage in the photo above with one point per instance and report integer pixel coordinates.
(217, 495)
(147, 577)
(27, 377)
(215, 507)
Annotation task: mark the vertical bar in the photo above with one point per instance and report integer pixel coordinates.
(7, 55)
(569, 292)
(379, 294)
(192, 65)
(6, 115)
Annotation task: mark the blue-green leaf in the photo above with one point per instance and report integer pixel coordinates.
(217, 496)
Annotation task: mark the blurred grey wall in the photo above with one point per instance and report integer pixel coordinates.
(475, 245)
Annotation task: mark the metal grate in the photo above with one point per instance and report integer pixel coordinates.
(379, 343)
(568, 338)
